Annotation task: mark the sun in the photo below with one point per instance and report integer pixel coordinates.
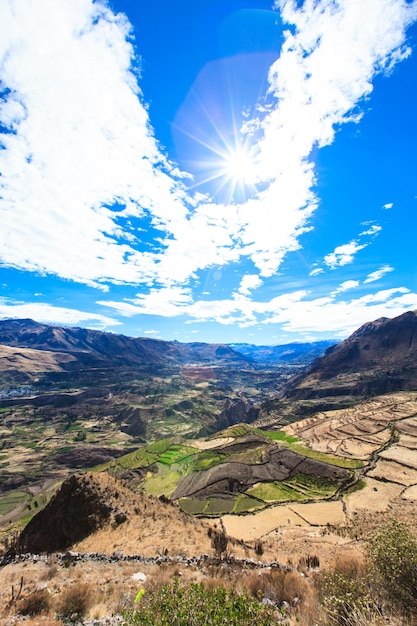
(231, 170)
(238, 165)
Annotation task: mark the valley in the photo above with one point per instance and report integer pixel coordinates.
(210, 453)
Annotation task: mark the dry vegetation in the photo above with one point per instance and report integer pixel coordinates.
(371, 588)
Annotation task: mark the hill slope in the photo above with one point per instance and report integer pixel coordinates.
(99, 510)
(380, 357)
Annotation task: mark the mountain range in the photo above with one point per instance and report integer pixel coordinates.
(99, 349)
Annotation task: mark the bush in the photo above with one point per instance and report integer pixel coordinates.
(344, 592)
(219, 541)
(185, 605)
(393, 558)
(279, 585)
(75, 600)
(35, 603)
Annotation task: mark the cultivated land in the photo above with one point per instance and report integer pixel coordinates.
(328, 458)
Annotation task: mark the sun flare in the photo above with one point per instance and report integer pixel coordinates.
(238, 165)
(231, 169)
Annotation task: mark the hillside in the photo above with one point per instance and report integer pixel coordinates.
(99, 508)
(380, 357)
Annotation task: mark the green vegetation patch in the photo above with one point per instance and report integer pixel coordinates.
(358, 486)
(235, 431)
(208, 458)
(219, 506)
(176, 453)
(143, 457)
(278, 435)
(251, 456)
(191, 506)
(330, 459)
(275, 492)
(312, 487)
(185, 604)
(163, 483)
(299, 487)
(246, 503)
(12, 500)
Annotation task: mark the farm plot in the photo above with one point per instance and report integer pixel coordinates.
(401, 455)
(262, 523)
(375, 496)
(394, 472)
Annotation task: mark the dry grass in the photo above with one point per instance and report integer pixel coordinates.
(76, 599)
(36, 603)
(279, 585)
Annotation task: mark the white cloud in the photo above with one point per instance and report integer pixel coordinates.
(375, 229)
(82, 142)
(387, 206)
(385, 269)
(166, 302)
(343, 255)
(152, 333)
(325, 315)
(296, 312)
(248, 283)
(49, 314)
(316, 271)
(345, 286)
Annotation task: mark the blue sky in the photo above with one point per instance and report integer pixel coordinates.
(214, 171)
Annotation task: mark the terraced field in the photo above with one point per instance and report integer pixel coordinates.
(383, 433)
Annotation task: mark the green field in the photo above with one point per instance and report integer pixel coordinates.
(193, 507)
(208, 458)
(164, 482)
(219, 506)
(274, 492)
(176, 453)
(245, 503)
(12, 500)
(299, 487)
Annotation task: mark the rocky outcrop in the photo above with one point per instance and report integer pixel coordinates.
(236, 411)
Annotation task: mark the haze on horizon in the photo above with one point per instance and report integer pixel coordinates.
(226, 172)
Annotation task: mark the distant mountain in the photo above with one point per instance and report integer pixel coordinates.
(381, 356)
(294, 353)
(99, 349)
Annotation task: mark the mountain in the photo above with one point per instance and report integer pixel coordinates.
(381, 356)
(99, 349)
(293, 353)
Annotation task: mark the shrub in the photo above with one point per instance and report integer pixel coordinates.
(393, 557)
(344, 592)
(35, 603)
(184, 605)
(75, 600)
(279, 586)
(219, 541)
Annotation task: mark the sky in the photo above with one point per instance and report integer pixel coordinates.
(213, 170)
